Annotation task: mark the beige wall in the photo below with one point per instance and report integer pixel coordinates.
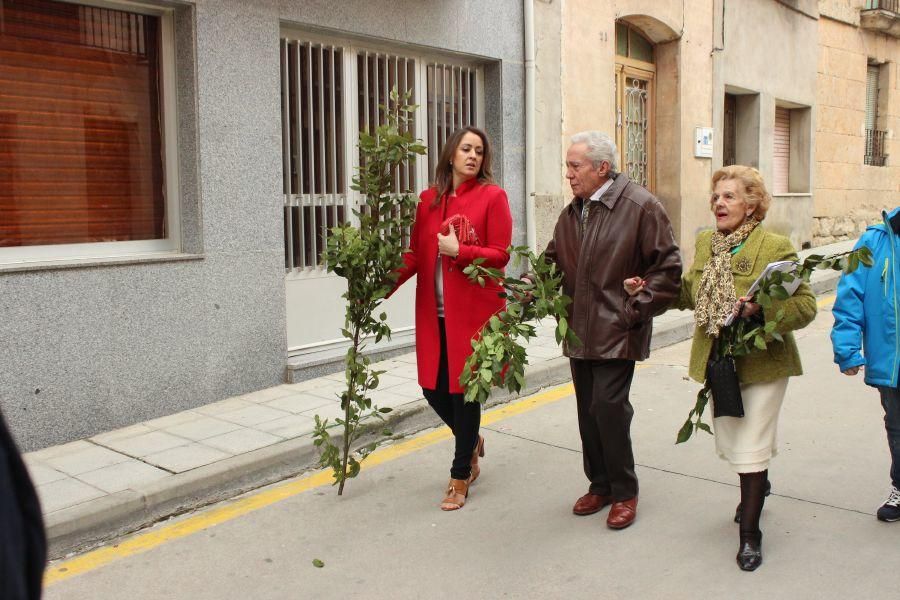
(699, 56)
(585, 29)
(763, 76)
(850, 195)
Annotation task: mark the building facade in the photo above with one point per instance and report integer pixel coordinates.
(857, 172)
(685, 87)
(169, 171)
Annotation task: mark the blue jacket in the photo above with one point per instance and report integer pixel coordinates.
(866, 310)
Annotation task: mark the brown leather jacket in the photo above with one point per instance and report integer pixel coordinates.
(627, 233)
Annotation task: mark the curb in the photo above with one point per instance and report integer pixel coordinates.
(92, 523)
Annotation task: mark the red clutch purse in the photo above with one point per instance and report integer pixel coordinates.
(465, 233)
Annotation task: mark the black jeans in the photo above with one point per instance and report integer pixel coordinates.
(604, 421)
(890, 400)
(463, 418)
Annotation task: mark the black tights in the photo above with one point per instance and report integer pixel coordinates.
(463, 418)
(753, 495)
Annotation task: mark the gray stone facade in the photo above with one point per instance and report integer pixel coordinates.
(92, 347)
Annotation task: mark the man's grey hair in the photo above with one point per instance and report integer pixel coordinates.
(600, 147)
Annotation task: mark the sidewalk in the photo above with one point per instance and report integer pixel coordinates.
(115, 482)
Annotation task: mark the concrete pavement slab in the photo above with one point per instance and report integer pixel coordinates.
(298, 403)
(41, 473)
(187, 457)
(122, 476)
(241, 441)
(249, 416)
(288, 427)
(201, 427)
(87, 459)
(66, 492)
(146, 443)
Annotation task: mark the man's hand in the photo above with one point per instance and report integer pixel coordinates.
(525, 296)
(744, 308)
(852, 371)
(633, 285)
(448, 245)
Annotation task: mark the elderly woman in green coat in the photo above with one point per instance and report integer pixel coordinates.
(727, 262)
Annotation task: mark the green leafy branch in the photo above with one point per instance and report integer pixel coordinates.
(498, 353)
(367, 256)
(745, 336)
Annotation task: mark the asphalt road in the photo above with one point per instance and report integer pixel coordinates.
(517, 537)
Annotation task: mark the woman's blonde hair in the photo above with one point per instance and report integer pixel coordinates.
(755, 193)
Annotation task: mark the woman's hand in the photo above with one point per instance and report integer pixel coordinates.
(633, 285)
(448, 245)
(851, 371)
(743, 308)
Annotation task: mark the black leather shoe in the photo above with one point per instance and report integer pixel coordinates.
(749, 555)
(739, 510)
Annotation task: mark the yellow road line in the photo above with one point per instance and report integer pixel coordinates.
(147, 541)
(825, 300)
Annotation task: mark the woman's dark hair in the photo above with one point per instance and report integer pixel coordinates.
(443, 172)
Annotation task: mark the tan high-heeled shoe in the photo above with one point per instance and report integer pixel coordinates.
(457, 492)
(476, 453)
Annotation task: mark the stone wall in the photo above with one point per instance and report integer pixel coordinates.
(848, 193)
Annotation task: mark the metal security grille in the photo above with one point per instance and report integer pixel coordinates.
(112, 30)
(637, 95)
(451, 105)
(377, 75)
(330, 92)
(315, 189)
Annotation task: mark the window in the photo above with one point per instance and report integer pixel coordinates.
(875, 137)
(635, 103)
(781, 157)
(791, 148)
(330, 92)
(83, 117)
(729, 137)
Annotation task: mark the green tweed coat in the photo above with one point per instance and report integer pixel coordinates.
(778, 360)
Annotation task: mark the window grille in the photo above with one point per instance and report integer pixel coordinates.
(875, 149)
(315, 186)
(319, 137)
(451, 105)
(377, 75)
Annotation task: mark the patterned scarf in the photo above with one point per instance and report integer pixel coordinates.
(716, 295)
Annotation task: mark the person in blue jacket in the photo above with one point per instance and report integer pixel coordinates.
(866, 334)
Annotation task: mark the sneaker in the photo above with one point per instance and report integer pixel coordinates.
(890, 510)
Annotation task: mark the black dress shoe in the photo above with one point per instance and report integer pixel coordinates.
(749, 555)
(739, 510)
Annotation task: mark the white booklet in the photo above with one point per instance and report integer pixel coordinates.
(785, 266)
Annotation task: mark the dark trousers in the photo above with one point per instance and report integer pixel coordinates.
(604, 421)
(463, 418)
(23, 545)
(890, 400)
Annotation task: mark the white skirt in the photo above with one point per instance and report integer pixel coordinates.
(749, 442)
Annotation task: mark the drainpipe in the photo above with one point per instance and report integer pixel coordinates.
(530, 230)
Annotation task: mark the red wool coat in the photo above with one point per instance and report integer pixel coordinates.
(467, 306)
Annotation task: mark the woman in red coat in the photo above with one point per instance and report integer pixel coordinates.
(450, 309)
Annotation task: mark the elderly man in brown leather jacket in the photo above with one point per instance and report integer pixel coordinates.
(612, 230)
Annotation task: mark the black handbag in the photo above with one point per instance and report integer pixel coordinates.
(724, 386)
